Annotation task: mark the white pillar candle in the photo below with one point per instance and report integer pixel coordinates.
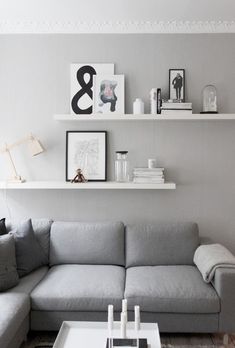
(110, 318)
(125, 316)
(137, 318)
(152, 163)
(124, 305)
(123, 325)
(124, 308)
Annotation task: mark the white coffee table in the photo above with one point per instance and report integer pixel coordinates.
(75, 334)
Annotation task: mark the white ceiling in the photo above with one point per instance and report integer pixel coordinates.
(117, 16)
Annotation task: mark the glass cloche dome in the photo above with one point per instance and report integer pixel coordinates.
(209, 100)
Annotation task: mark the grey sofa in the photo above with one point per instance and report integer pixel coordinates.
(91, 265)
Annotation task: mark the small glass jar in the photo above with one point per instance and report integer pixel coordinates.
(121, 167)
(209, 99)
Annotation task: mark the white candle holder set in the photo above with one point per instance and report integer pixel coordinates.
(123, 322)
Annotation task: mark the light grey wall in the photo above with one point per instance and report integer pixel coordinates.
(198, 156)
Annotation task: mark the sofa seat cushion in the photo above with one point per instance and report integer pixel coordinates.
(170, 289)
(28, 282)
(80, 288)
(14, 308)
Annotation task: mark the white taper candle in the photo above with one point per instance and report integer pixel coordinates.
(110, 318)
(124, 305)
(125, 316)
(123, 325)
(137, 318)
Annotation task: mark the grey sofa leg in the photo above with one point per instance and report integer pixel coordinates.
(225, 340)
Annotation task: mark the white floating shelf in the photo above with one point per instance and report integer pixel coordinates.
(105, 185)
(142, 117)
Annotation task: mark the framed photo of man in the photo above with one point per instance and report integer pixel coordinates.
(177, 85)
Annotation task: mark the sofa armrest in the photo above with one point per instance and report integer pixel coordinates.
(224, 284)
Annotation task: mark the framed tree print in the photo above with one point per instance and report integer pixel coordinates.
(82, 85)
(86, 150)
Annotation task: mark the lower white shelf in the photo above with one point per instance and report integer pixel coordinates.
(104, 185)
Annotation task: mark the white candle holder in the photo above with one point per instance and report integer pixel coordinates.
(123, 328)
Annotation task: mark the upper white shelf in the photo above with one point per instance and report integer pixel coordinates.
(142, 117)
(104, 185)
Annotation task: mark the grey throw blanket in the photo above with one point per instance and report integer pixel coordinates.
(209, 257)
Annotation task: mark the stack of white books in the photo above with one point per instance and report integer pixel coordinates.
(169, 108)
(148, 175)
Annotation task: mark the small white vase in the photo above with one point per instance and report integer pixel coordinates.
(138, 107)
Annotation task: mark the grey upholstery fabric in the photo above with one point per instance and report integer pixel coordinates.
(87, 243)
(52, 320)
(8, 273)
(80, 288)
(14, 308)
(20, 335)
(41, 229)
(167, 322)
(28, 282)
(182, 322)
(172, 294)
(29, 253)
(224, 283)
(161, 244)
(170, 289)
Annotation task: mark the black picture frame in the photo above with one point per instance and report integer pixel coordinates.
(68, 169)
(173, 94)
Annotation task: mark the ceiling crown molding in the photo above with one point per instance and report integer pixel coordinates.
(116, 27)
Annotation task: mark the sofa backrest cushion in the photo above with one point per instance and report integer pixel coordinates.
(87, 243)
(161, 243)
(8, 273)
(41, 228)
(29, 253)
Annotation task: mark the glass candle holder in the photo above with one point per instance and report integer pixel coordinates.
(209, 100)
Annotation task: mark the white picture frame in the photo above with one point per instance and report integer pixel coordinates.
(86, 150)
(109, 94)
(81, 85)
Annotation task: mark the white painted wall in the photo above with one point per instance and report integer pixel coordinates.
(105, 10)
(199, 156)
